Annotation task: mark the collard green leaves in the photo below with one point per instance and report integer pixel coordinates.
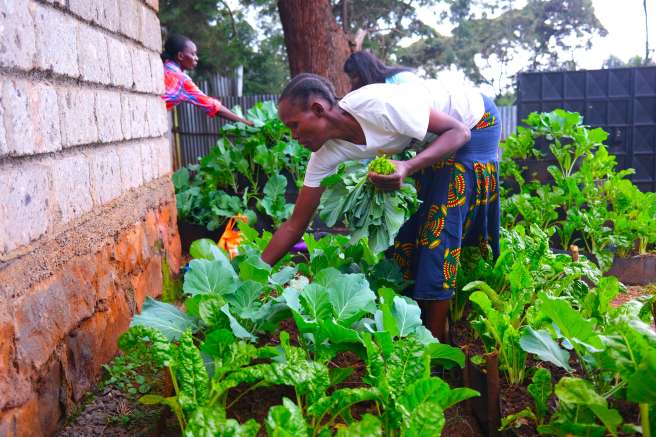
(368, 213)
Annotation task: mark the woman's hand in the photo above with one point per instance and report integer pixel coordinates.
(393, 181)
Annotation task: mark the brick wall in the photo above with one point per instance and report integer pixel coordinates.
(87, 209)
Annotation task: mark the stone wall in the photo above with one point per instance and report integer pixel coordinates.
(87, 210)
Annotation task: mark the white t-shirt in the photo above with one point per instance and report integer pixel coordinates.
(391, 116)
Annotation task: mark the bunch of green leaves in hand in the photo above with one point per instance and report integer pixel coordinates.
(366, 211)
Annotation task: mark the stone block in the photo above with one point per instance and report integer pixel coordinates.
(31, 118)
(108, 115)
(17, 116)
(24, 209)
(17, 45)
(84, 8)
(131, 252)
(78, 116)
(131, 172)
(4, 147)
(167, 221)
(148, 283)
(126, 115)
(130, 18)
(151, 35)
(49, 311)
(162, 156)
(157, 74)
(157, 117)
(141, 75)
(137, 107)
(93, 57)
(22, 421)
(94, 343)
(71, 183)
(105, 175)
(120, 62)
(56, 41)
(149, 167)
(14, 386)
(108, 14)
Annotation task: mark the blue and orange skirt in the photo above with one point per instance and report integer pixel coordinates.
(460, 208)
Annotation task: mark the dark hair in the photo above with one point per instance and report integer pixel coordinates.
(304, 85)
(369, 69)
(174, 44)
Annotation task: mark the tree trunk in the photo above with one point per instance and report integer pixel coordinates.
(314, 41)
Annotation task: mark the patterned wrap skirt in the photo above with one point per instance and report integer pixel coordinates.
(460, 208)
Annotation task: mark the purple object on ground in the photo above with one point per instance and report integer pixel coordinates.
(300, 247)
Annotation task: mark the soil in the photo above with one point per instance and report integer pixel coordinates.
(632, 292)
(110, 413)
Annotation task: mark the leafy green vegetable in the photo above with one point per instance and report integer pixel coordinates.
(367, 212)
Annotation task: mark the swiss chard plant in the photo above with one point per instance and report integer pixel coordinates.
(248, 168)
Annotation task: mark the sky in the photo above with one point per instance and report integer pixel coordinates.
(624, 21)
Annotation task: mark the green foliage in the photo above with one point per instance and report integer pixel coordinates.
(589, 203)
(368, 213)
(230, 179)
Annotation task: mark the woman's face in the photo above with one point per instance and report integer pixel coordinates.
(188, 58)
(308, 126)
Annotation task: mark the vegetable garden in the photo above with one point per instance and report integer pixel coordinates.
(539, 345)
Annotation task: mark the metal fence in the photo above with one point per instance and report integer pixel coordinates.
(195, 133)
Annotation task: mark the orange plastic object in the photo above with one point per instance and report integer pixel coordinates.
(231, 237)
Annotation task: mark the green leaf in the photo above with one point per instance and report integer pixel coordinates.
(217, 342)
(254, 269)
(237, 328)
(407, 315)
(208, 249)
(164, 317)
(434, 390)
(580, 392)
(209, 277)
(244, 302)
(286, 420)
(349, 294)
(283, 276)
(368, 426)
(427, 420)
(192, 378)
(572, 325)
(541, 390)
(315, 302)
(642, 384)
(445, 355)
(211, 422)
(341, 400)
(152, 399)
(518, 419)
(541, 344)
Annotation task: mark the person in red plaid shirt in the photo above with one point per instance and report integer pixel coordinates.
(180, 55)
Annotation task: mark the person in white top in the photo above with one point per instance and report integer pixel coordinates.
(455, 172)
(363, 68)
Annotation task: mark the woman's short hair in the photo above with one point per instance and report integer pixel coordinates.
(174, 44)
(304, 85)
(369, 69)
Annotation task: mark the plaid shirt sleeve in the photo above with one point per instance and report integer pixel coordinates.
(180, 88)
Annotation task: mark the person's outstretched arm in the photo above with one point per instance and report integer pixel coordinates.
(192, 94)
(292, 230)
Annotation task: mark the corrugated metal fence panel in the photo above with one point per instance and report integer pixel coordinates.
(198, 133)
(622, 101)
(508, 120)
